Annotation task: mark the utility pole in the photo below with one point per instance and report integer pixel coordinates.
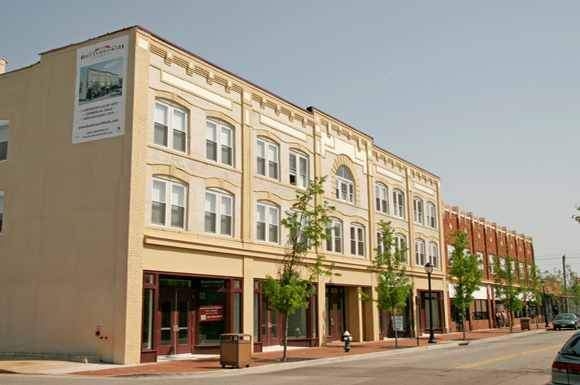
(565, 290)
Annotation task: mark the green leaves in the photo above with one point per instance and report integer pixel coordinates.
(465, 270)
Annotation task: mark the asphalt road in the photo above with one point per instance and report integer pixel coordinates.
(521, 360)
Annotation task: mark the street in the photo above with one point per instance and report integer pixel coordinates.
(521, 360)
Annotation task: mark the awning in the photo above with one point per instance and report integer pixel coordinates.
(480, 293)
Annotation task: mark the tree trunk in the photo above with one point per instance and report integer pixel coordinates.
(511, 320)
(285, 339)
(463, 321)
(394, 330)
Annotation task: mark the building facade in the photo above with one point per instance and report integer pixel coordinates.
(151, 235)
(492, 244)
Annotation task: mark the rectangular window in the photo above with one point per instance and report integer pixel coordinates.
(334, 236)
(399, 204)
(480, 311)
(170, 127)
(298, 170)
(219, 142)
(218, 212)
(381, 198)
(3, 140)
(357, 244)
(267, 223)
(267, 159)
(167, 193)
(1, 211)
(420, 255)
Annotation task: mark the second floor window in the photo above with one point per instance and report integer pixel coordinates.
(418, 210)
(334, 236)
(420, 257)
(431, 215)
(491, 264)
(3, 140)
(398, 203)
(401, 246)
(357, 240)
(479, 260)
(434, 254)
(267, 223)
(344, 184)
(268, 158)
(168, 203)
(219, 143)
(298, 169)
(381, 198)
(219, 207)
(170, 127)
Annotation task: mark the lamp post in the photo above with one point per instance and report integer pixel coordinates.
(429, 270)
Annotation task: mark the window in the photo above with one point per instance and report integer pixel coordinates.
(1, 211)
(381, 198)
(170, 194)
(480, 309)
(219, 207)
(491, 263)
(399, 203)
(418, 210)
(267, 161)
(219, 143)
(380, 248)
(267, 222)
(434, 254)
(334, 236)
(357, 240)
(344, 184)
(479, 257)
(420, 257)
(3, 140)
(170, 127)
(401, 245)
(298, 169)
(431, 215)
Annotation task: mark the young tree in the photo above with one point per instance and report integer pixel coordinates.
(507, 289)
(394, 285)
(466, 274)
(535, 289)
(306, 223)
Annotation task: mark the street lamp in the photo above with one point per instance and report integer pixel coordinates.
(429, 270)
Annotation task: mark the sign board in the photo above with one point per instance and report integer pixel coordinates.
(398, 323)
(101, 90)
(211, 313)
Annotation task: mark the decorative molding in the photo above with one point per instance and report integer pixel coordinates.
(390, 174)
(285, 128)
(272, 197)
(192, 88)
(424, 189)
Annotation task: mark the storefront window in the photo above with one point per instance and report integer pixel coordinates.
(297, 324)
(147, 325)
(212, 301)
(237, 308)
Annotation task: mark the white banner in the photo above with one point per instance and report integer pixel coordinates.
(480, 293)
(101, 83)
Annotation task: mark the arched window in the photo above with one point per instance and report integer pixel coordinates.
(219, 212)
(267, 158)
(431, 215)
(219, 143)
(418, 210)
(344, 184)
(170, 126)
(398, 203)
(267, 222)
(434, 254)
(357, 239)
(381, 198)
(168, 202)
(420, 257)
(334, 236)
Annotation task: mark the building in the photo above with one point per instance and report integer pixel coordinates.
(141, 221)
(491, 243)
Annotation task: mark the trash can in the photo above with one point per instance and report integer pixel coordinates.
(235, 350)
(525, 323)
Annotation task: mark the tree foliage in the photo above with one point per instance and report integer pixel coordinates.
(306, 222)
(507, 290)
(394, 286)
(466, 274)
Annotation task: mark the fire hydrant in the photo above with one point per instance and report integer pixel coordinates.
(346, 337)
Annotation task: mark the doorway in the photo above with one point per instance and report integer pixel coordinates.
(177, 316)
(436, 300)
(335, 312)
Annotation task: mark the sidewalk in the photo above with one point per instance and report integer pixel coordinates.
(330, 351)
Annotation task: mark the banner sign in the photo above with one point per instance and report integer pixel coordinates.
(211, 313)
(398, 323)
(100, 92)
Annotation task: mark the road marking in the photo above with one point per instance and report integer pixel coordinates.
(506, 357)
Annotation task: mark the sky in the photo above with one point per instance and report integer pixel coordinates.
(484, 94)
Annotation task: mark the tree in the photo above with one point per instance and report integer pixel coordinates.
(535, 285)
(507, 289)
(466, 273)
(306, 223)
(393, 286)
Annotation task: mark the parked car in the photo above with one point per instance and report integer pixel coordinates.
(566, 366)
(566, 320)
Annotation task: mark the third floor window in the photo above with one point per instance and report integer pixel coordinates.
(418, 210)
(398, 203)
(267, 158)
(298, 169)
(344, 184)
(170, 127)
(219, 143)
(381, 198)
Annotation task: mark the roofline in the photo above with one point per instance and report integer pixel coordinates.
(407, 161)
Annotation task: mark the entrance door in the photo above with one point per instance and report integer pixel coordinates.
(335, 313)
(436, 308)
(176, 316)
(271, 325)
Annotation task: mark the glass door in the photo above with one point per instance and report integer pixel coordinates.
(176, 320)
(335, 314)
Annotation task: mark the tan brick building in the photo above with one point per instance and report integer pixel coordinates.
(141, 194)
(491, 243)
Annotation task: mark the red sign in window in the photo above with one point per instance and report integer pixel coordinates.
(211, 313)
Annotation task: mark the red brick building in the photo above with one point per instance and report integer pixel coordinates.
(491, 243)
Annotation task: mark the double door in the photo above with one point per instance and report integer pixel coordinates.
(335, 313)
(177, 320)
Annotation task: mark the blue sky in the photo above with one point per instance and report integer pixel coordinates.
(484, 94)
